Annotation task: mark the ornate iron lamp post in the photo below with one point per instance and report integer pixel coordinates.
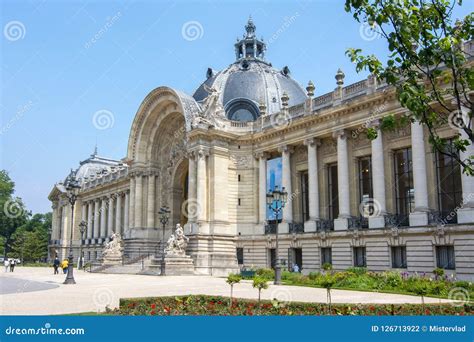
(72, 188)
(276, 201)
(164, 218)
(82, 229)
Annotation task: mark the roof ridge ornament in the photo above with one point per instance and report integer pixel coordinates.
(250, 47)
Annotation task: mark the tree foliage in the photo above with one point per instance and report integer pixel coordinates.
(427, 63)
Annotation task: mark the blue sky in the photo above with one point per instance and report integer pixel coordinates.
(67, 60)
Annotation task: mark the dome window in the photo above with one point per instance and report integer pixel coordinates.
(242, 110)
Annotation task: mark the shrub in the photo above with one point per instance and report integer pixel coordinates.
(327, 266)
(266, 273)
(357, 270)
(438, 272)
(313, 275)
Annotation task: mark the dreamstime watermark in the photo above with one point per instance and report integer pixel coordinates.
(46, 330)
(19, 114)
(191, 208)
(459, 119)
(281, 120)
(14, 30)
(370, 207)
(369, 32)
(192, 30)
(103, 119)
(282, 295)
(368, 122)
(287, 22)
(103, 298)
(13, 208)
(459, 296)
(110, 21)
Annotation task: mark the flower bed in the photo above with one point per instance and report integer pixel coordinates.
(219, 306)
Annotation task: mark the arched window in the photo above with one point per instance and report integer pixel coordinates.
(242, 110)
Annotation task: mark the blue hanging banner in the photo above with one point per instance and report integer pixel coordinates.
(261, 329)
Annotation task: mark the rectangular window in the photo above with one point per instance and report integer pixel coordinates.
(445, 257)
(399, 257)
(304, 196)
(359, 257)
(404, 191)
(326, 255)
(240, 256)
(333, 206)
(365, 190)
(449, 184)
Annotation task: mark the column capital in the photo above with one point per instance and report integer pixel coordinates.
(261, 155)
(202, 152)
(313, 142)
(286, 149)
(341, 133)
(374, 124)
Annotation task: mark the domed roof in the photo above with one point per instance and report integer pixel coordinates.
(95, 166)
(250, 82)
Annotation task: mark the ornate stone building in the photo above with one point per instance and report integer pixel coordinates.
(387, 203)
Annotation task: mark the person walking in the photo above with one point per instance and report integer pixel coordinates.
(64, 265)
(56, 265)
(12, 265)
(6, 263)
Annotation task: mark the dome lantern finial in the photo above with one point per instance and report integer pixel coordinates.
(250, 46)
(250, 28)
(339, 78)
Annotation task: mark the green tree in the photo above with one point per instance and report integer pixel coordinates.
(327, 281)
(30, 241)
(426, 63)
(233, 279)
(260, 284)
(13, 213)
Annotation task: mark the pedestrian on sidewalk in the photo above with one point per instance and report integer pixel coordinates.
(12, 265)
(56, 265)
(6, 263)
(65, 265)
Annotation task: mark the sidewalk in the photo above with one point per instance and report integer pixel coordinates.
(93, 292)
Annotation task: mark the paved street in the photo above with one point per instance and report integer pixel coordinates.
(44, 293)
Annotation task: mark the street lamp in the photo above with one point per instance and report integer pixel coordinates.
(276, 201)
(82, 229)
(72, 188)
(164, 217)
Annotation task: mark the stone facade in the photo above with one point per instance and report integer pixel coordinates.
(211, 172)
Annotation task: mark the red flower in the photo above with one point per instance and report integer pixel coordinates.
(428, 312)
(219, 302)
(153, 306)
(372, 308)
(153, 312)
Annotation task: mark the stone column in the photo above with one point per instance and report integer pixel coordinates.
(150, 212)
(466, 213)
(201, 191)
(118, 214)
(126, 212)
(54, 222)
(341, 223)
(313, 184)
(377, 220)
(138, 201)
(90, 219)
(110, 216)
(83, 211)
(131, 203)
(103, 217)
(262, 187)
(287, 217)
(420, 215)
(192, 178)
(96, 219)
